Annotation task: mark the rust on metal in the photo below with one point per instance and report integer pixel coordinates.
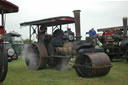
(125, 26)
(99, 59)
(77, 24)
(95, 64)
(36, 58)
(43, 53)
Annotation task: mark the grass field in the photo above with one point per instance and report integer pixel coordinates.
(19, 75)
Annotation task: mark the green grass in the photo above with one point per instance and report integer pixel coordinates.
(18, 74)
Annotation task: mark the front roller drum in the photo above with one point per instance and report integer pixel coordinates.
(35, 57)
(93, 65)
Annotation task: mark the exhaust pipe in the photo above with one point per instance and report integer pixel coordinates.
(125, 26)
(77, 24)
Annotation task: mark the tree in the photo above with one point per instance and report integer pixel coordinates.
(27, 41)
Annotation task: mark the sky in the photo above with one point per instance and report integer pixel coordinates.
(94, 13)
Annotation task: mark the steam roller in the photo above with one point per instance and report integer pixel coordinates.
(87, 64)
(57, 49)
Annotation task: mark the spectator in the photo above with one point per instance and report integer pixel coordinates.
(92, 32)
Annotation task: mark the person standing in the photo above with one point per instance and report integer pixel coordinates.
(92, 32)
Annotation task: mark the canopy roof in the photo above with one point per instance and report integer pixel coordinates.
(14, 33)
(8, 7)
(51, 21)
(110, 28)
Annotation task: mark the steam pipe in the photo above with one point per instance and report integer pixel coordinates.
(125, 26)
(77, 24)
(2, 17)
(30, 33)
(2, 45)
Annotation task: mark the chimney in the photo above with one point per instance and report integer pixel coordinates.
(77, 24)
(125, 26)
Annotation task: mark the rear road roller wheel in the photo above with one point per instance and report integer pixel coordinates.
(126, 54)
(4, 67)
(35, 56)
(127, 60)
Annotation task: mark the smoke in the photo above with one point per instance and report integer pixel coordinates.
(31, 57)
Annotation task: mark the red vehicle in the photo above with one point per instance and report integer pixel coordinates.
(108, 32)
(5, 8)
(115, 41)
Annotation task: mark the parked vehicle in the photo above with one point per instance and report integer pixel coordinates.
(14, 45)
(5, 8)
(115, 40)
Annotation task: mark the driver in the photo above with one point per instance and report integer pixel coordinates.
(42, 32)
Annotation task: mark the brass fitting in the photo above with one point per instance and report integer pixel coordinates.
(1, 36)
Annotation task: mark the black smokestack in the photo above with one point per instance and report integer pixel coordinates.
(125, 26)
(77, 24)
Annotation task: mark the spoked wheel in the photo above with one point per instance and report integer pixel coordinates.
(92, 64)
(127, 60)
(111, 57)
(36, 56)
(126, 55)
(4, 66)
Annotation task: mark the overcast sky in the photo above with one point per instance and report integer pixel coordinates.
(97, 14)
